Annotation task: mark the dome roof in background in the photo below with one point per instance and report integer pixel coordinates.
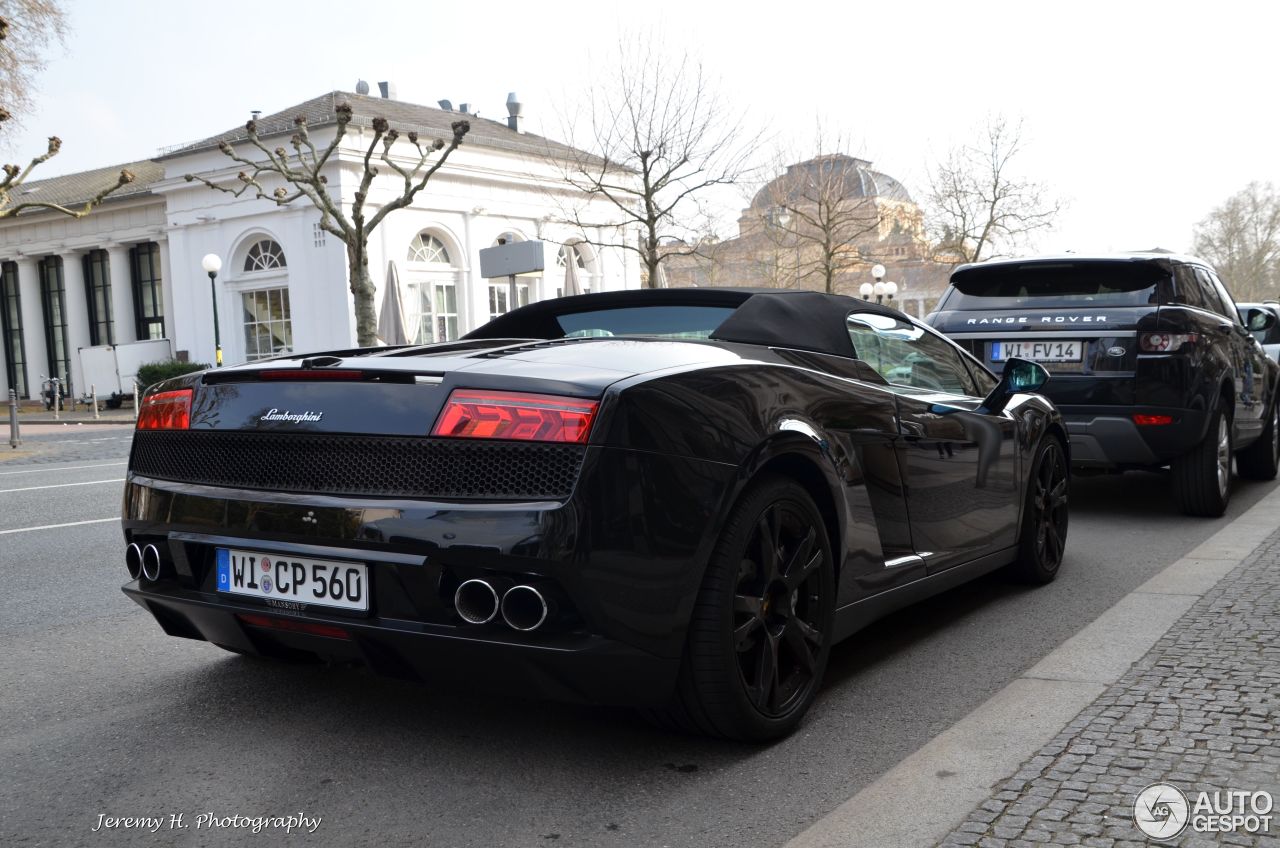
(860, 181)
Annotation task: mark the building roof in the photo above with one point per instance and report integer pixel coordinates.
(403, 116)
(77, 188)
(855, 175)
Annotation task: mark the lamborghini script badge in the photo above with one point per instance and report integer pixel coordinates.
(292, 417)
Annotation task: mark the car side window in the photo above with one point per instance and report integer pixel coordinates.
(1189, 293)
(1214, 300)
(1228, 302)
(906, 354)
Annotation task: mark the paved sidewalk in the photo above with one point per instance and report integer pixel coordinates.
(1200, 712)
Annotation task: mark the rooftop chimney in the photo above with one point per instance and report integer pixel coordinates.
(515, 110)
(388, 90)
(256, 113)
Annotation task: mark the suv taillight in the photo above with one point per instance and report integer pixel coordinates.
(1164, 342)
(166, 411)
(476, 414)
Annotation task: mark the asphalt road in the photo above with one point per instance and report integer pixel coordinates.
(101, 714)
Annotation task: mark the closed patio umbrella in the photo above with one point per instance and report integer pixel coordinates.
(391, 320)
(571, 284)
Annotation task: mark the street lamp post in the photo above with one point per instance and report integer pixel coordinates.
(212, 264)
(882, 288)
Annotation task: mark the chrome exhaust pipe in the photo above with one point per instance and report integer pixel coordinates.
(476, 601)
(133, 560)
(151, 562)
(525, 608)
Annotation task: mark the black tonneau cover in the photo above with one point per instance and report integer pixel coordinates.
(804, 320)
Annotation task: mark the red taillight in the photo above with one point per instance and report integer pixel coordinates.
(166, 411)
(1152, 420)
(475, 414)
(308, 627)
(1164, 342)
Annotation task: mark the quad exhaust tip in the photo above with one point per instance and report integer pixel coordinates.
(524, 608)
(133, 560)
(151, 562)
(476, 601)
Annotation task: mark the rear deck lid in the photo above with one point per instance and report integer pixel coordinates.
(1075, 317)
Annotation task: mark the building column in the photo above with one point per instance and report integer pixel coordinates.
(122, 293)
(77, 305)
(32, 324)
(167, 286)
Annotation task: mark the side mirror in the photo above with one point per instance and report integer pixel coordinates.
(1020, 376)
(1260, 319)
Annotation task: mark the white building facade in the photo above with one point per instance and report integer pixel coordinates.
(132, 269)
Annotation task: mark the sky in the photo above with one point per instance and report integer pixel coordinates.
(1141, 116)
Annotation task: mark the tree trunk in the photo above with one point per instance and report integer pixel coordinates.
(363, 290)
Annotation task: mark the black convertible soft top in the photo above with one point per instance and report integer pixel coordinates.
(804, 320)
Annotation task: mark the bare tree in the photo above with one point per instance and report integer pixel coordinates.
(1242, 240)
(19, 59)
(27, 28)
(15, 176)
(658, 138)
(980, 207)
(819, 211)
(302, 169)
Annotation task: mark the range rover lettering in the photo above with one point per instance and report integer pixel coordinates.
(674, 499)
(1153, 363)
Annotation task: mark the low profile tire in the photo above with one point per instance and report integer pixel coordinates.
(1261, 460)
(760, 633)
(1043, 539)
(1202, 476)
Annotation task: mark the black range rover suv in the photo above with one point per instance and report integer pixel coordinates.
(1152, 364)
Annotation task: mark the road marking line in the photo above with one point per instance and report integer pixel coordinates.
(56, 526)
(69, 468)
(63, 485)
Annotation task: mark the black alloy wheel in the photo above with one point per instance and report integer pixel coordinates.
(778, 608)
(1044, 522)
(761, 629)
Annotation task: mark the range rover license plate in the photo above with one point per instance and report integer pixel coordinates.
(1045, 351)
(280, 577)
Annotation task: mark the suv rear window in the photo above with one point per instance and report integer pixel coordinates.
(1049, 285)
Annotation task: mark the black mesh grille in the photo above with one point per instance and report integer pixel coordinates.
(386, 466)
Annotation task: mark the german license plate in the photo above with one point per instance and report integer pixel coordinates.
(280, 577)
(1043, 351)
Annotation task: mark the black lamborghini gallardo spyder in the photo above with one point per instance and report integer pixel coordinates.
(675, 499)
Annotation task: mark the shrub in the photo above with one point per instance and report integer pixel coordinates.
(154, 372)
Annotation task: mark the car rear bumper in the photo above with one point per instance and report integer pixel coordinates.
(566, 667)
(1109, 437)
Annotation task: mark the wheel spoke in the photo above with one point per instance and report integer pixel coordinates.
(767, 530)
(1054, 545)
(796, 577)
(808, 631)
(743, 633)
(800, 555)
(766, 673)
(799, 646)
(748, 604)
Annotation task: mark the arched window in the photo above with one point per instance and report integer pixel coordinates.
(264, 255)
(578, 252)
(577, 256)
(427, 248)
(431, 303)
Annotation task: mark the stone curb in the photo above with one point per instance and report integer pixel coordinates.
(925, 796)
